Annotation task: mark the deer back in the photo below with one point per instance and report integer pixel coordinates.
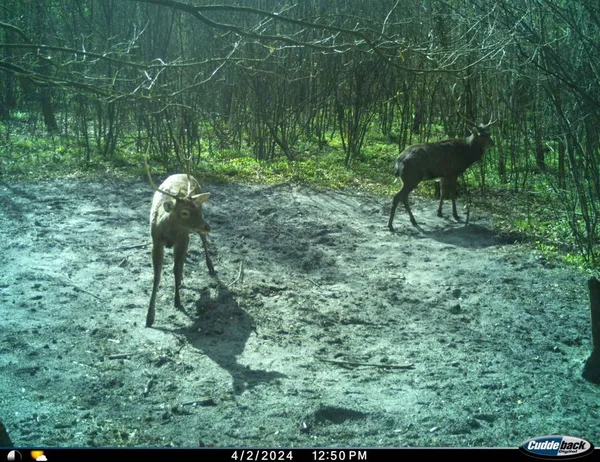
(441, 159)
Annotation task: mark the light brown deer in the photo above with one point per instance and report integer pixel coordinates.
(441, 160)
(176, 212)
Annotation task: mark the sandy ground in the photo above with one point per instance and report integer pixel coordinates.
(321, 327)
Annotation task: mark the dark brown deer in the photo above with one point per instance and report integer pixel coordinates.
(176, 212)
(442, 160)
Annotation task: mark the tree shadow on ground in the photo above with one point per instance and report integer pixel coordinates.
(468, 236)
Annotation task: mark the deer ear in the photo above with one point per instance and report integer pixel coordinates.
(200, 199)
(169, 205)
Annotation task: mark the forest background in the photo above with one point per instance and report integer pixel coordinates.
(321, 92)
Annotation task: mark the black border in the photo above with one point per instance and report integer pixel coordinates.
(265, 454)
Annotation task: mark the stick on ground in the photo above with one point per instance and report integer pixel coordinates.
(358, 364)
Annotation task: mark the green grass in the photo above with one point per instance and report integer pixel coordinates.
(534, 217)
(319, 168)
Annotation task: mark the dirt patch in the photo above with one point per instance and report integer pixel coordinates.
(321, 327)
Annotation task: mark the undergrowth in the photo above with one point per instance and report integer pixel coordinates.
(534, 216)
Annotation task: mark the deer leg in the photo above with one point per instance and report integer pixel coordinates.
(209, 265)
(401, 196)
(454, 212)
(407, 206)
(452, 188)
(157, 261)
(448, 187)
(439, 210)
(393, 211)
(179, 253)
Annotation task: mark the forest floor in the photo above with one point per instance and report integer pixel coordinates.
(321, 328)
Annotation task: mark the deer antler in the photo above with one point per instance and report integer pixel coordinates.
(489, 124)
(156, 188)
(188, 160)
(460, 114)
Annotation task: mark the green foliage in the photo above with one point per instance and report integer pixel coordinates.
(28, 156)
(324, 170)
(535, 217)
(318, 101)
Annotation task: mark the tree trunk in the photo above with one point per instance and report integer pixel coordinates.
(591, 370)
(561, 165)
(48, 110)
(540, 161)
(44, 68)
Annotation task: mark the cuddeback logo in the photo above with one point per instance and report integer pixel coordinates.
(556, 446)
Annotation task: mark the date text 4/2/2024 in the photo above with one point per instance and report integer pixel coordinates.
(287, 455)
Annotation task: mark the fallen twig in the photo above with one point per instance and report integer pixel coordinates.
(313, 282)
(201, 402)
(239, 276)
(148, 387)
(80, 289)
(120, 356)
(137, 246)
(358, 363)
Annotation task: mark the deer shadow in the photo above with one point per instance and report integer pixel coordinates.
(221, 331)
